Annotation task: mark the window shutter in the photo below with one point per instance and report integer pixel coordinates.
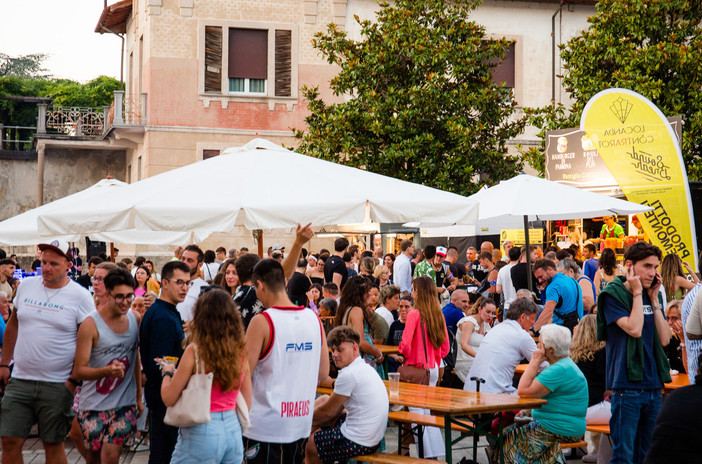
(213, 59)
(248, 54)
(283, 63)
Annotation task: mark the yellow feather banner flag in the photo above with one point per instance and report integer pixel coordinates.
(640, 149)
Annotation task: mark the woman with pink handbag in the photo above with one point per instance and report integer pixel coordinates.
(424, 344)
(216, 352)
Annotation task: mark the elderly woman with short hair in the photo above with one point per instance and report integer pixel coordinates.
(562, 419)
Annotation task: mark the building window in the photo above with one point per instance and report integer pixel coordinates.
(249, 61)
(207, 154)
(503, 72)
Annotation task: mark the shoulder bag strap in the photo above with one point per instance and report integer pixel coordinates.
(424, 339)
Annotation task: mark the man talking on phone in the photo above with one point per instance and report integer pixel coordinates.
(630, 319)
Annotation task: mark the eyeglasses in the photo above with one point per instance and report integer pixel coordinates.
(181, 283)
(119, 298)
(97, 279)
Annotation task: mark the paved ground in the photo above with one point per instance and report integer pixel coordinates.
(34, 454)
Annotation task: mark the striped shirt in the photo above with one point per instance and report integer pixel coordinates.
(693, 347)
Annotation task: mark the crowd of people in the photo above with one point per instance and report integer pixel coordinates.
(95, 356)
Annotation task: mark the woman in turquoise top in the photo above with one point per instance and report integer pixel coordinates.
(562, 420)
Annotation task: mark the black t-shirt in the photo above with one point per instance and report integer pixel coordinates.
(519, 277)
(298, 286)
(458, 270)
(249, 305)
(335, 265)
(479, 272)
(673, 351)
(595, 372)
(85, 281)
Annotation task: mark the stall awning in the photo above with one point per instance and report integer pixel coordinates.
(114, 18)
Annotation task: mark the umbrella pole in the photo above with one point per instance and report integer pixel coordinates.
(258, 235)
(528, 254)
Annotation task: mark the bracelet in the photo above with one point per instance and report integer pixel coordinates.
(167, 374)
(5, 365)
(637, 294)
(75, 382)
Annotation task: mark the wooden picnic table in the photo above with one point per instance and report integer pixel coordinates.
(388, 349)
(678, 380)
(451, 403)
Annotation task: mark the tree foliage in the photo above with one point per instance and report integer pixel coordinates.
(63, 92)
(653, 47)
(421, 105)
(22, 66)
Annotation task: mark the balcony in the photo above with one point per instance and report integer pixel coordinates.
(126, 112)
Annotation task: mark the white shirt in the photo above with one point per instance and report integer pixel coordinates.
(504, 279)
(402, 273)
(209, 271)
(367, 403)
(500, 352)
(48, 321)
(185, 307)
(386, 314)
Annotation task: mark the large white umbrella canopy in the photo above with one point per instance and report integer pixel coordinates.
(22, 229)
(544, 200)
(259, 186)
(536, 199)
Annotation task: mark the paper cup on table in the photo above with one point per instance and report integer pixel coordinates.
(394, 382)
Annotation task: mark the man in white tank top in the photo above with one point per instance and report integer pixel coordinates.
(107, 359)
(288, 357)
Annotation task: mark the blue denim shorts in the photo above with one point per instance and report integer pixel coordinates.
(218, 441)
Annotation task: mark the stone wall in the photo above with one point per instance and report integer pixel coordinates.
(66, 171)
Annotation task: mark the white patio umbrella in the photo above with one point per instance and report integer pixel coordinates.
(22, 229)
(536, 199)
(544, 200)
(259, 186)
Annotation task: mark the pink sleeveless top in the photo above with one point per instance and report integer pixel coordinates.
(222, 401)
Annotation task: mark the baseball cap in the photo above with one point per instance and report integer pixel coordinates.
(441, 251)
(278, 247)
(57, 246)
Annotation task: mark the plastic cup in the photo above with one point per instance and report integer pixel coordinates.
(394, 382)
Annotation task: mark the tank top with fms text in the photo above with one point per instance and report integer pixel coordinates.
(285, 379)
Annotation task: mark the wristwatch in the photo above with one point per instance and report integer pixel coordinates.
(75, 382)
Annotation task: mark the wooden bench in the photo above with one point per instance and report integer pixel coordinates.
(386, 458)
(577, 444)
(406, 417)
(598, 429)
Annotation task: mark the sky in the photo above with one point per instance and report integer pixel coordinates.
(64, 30)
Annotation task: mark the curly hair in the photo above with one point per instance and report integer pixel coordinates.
(218, 332)
(354, 294)
(585, 343)
(429, 309)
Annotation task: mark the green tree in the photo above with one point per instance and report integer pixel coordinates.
(653, 47)
(422, 106)
(22, 66)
